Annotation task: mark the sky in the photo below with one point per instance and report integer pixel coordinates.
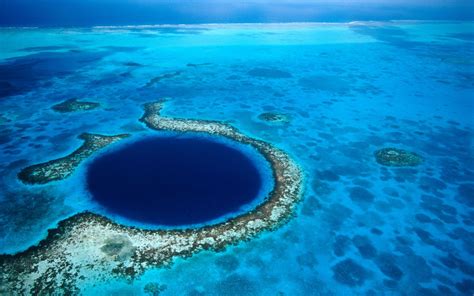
(140, 12)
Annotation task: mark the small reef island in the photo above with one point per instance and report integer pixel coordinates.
(93, 247)
(395, 157)
(74, 105)
(272, 117)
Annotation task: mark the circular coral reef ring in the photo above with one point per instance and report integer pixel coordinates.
(397, 157)
(93, 245)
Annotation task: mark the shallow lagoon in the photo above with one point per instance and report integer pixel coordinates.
(349, 89)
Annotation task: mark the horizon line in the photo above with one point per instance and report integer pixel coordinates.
(164, 25)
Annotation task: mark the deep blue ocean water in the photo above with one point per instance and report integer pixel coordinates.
(57, 13)
(349, 89)
(174, 181)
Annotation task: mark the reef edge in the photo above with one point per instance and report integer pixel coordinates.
(77, 249)
(61, 168)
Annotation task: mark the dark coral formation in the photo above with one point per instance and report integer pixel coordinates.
(198, 65)
(274, 117)
(132, 64)
(91, 244)
(157, 79)
(74, 105)
(327, 83)
(22, 74)
(361, 195)
(63, 167)
(350, 273)
(154, 289)
(269, 73)
(397, 157)
(465, 194)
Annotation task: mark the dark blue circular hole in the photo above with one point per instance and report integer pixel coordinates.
(174, 180)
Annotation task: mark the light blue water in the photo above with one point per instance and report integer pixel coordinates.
(353, 88)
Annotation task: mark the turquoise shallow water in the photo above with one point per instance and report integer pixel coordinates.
(348, 89)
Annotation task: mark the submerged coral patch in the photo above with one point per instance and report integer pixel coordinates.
(73, 105)
(274, 117)
(132, 64)
(157, 79)
(198, 65)
(360, 194)
(90, 244)
(350, 273)
(397, 157)
(23, 74)
(269, 73)
(63, 167)
(328, 83)
(154, 289)
(172, 180)
(465, 194)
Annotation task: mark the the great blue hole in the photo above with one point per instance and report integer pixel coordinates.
(174, 180)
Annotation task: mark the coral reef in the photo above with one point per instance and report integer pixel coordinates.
(269, 73)
(154, 289)
(73, 105)
(350, 273)
(63, 167)
(274, 117)
(157, 79)
(397, 157)
(132, 64)
(92, 246)
(198, 65)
